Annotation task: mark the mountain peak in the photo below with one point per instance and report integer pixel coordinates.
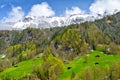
(47, 22)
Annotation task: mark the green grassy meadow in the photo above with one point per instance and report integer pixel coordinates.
(77, 65)
(22, 69)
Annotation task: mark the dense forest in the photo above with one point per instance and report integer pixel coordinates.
(86, 51)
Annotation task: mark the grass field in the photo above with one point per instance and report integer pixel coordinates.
(22, 69)
(79, 64)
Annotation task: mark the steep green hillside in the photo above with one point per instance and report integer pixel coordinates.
(86, 51)
(91, 61)
(21, 69)
(71, 70)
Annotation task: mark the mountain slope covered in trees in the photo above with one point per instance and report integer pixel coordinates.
(86, 51)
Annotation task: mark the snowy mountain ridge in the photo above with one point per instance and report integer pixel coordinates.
(47, 22)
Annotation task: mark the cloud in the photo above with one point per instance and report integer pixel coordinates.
(73, 10)
(101, 6)
(15, 15)
(42, 9)
(2, 6)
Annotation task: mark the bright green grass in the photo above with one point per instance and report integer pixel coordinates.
(24, 68)
(78, 64)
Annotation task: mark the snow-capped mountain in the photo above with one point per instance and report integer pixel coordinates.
(46, 22)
